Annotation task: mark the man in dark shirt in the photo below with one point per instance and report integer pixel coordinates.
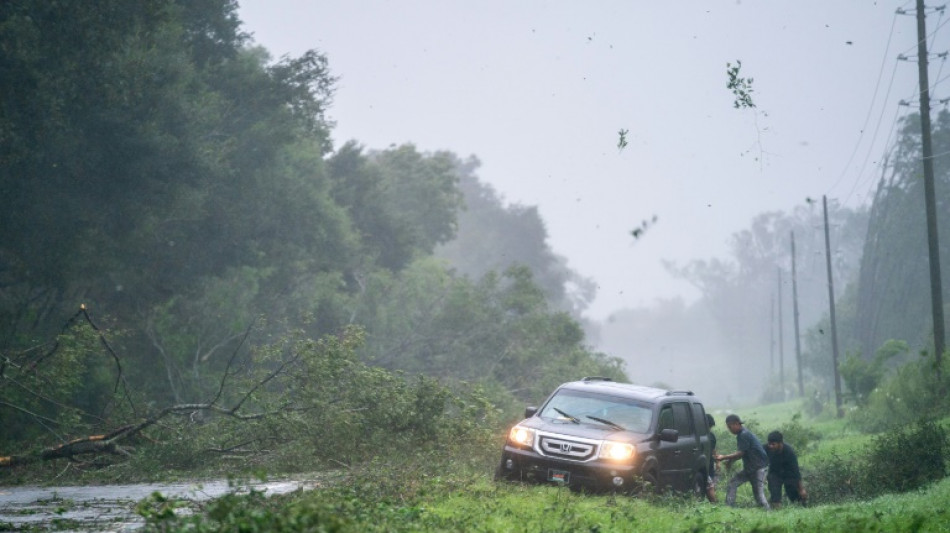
(755, 463)
(783, 471)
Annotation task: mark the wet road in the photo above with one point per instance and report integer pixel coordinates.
(112, 507)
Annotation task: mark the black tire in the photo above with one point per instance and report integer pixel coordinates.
(651, 484)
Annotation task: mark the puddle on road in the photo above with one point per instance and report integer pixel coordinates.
(112, 507)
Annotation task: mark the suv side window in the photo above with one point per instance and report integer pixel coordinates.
(666, 419)
(699, 417)
(681, 419)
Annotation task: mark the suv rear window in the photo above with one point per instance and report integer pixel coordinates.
(584, 405)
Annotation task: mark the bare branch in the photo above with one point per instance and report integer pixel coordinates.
(227, 369)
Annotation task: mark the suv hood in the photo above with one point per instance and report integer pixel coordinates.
(587, 430)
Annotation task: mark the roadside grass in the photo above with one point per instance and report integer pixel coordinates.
(462, 502)
(551, 509)
(452, 490)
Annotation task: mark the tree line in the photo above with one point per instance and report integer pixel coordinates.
(164, 173)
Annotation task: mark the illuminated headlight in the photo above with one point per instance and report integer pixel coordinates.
(616, 451)
(521, 436)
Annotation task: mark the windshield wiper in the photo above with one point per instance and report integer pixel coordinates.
(608, 422)
(572, 418)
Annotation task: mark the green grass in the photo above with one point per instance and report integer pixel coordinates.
(479, 505)
(452, 490)
(550, 509)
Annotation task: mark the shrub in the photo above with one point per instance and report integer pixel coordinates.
(861, 377)
(797, 435)
(912, 392)
(907, 459)
(834, 479)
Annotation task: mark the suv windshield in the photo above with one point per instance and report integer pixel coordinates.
(572, 406)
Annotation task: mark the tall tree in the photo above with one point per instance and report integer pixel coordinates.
(493, 236)
(893, 297)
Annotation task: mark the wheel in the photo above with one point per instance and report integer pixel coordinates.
(648, 483)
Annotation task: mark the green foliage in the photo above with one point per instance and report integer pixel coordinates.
(900, 460)
(741, 87)
(911, 392)
(155, 166)
(500, 330)
(57, 392)
(443, 497)
(833, 479)
(622, 141)
(328, 407)
(493, 237)
(907, 458)
(423, 194)
(861, 377)
(802, 437)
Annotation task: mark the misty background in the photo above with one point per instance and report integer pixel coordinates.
(538, 92)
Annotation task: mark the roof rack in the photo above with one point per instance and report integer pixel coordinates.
(679, 393)
(588, 379)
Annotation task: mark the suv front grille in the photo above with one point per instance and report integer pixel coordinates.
(564, 447)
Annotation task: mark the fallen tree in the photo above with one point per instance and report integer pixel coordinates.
(296, 402)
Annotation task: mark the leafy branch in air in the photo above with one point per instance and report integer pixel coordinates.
(740, 87)
(638, 231)
(622, 140)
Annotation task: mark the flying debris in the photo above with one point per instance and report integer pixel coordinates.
(622, 140)
(642, 228)
(740, 87)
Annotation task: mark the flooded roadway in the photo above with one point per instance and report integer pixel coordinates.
(112, 507)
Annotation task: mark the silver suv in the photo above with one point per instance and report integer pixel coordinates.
(598, 434)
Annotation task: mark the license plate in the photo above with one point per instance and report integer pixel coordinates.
(559, 476)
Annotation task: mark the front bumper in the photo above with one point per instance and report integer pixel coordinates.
(527, 465)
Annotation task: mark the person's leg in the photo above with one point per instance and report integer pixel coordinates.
(758, 487)
(775, 490)
(734, 483)
(711, 489)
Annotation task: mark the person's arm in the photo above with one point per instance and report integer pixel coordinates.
(730, 457)
(742, 446)
(793, 468)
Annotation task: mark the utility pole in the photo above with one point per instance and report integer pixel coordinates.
(936, 289)
(798, 346)
(781, 342)
(831, 303)
(772, 334)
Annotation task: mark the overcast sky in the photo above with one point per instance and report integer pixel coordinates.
(539, 90)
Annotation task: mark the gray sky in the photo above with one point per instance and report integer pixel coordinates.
(538, 91)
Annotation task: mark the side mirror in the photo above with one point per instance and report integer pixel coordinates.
(530, 411)
(669, 435)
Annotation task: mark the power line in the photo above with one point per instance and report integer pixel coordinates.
(867, 118)
(904, 56)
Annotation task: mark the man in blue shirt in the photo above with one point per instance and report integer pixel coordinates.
(783, 471)
(755, 462)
